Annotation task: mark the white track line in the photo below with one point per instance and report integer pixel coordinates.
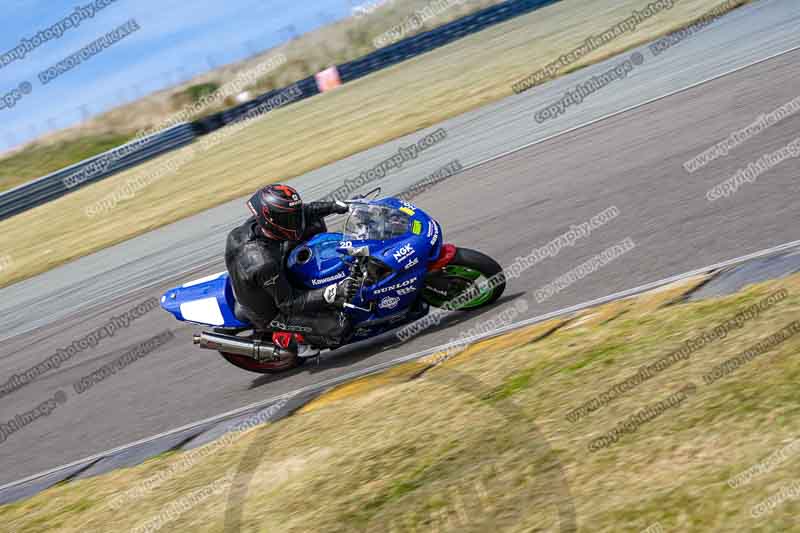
(399, 360)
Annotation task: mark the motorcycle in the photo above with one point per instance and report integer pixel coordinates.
(393, 249)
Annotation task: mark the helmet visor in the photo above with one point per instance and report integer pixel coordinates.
(292, 222)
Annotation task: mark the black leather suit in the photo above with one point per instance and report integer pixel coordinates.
(265, 297)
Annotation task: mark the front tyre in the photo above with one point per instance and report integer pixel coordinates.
(471, 280)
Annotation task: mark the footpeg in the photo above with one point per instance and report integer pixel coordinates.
(306, 352)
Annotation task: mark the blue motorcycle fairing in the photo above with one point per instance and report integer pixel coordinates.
(209, 301)
(317, 263)
(320, 262)
(327, 265)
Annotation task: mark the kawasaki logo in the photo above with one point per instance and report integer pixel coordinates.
(322, 281)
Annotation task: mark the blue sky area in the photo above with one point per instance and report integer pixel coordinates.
(177, 40)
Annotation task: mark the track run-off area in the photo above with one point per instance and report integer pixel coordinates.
(525, 183)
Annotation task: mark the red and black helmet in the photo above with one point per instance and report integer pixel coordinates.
(279, 212)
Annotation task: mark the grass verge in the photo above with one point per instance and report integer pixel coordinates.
(37, 161)
(481, 442)
(421, 92)
(307, 54)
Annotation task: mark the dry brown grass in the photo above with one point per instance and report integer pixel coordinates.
(481, 442)
(464, 75)
(309, 53)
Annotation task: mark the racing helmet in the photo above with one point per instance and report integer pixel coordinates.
(278, 210)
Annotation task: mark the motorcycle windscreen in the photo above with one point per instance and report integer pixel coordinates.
(372, 222)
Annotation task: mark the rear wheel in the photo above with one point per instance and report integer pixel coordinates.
(267, 367)
(470, 281)
(259, 367)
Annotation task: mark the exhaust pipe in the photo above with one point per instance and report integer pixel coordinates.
(258, 350)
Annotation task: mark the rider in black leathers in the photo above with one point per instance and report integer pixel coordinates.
(255, 257)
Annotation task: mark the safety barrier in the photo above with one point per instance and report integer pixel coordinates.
(59, 183)
(390, 55)
(64, 181)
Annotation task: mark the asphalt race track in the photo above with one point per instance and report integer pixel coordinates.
(504, 207)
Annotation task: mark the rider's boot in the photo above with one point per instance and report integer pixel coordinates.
(294, 342)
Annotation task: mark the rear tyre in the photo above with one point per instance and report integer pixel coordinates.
(268, 367)
(259, 367)
(471, 280)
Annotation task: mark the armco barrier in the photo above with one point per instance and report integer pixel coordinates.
(427, 41)
(51, 187)
(391, 55)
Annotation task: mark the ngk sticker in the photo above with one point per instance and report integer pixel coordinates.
(404, 253)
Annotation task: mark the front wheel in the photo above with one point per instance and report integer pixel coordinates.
(471, 280)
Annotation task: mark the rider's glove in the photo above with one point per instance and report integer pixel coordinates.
(341, 293)
(340, 207)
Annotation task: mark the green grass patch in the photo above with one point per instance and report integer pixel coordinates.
(600, 354)
(38, 160)
(513, 385)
